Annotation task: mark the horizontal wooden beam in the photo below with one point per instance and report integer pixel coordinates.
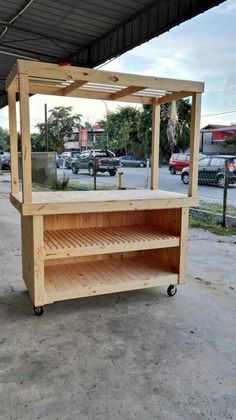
(69, 89)
(125, 92)
(172, 97)
(55, 71)
(87, 94)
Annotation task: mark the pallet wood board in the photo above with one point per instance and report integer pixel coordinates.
(104, 240)
(64, 202)
(107, 276)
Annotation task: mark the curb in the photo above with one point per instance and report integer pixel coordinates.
(205, 215)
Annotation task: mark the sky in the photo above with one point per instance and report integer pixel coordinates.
(201, 49)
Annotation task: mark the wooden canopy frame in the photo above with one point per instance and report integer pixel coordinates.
(29, 77)
(140, 236)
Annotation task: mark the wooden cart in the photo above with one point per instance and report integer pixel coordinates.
(77, 244)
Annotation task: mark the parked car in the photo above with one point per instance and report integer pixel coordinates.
(105, 162)
(132, 161)
(5, 161)
(178, 161)
(211, 170)
(68, 157)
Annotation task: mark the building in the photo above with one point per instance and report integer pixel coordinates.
(213, 139)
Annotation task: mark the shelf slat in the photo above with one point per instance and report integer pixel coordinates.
(70, 281)
(104, 240)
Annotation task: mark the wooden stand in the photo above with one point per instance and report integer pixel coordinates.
(77, 244)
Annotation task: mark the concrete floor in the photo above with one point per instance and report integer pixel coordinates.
(138, 355)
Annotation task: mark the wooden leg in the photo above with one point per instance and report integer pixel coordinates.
(183, 245)
(32, 257)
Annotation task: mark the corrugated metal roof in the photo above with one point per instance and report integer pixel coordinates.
(85, 32)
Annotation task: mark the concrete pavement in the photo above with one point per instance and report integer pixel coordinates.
(138, 355)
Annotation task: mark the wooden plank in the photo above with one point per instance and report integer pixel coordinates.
(16, 203)
(183, 245)
(68, 90)
(87, 94)
(12, 76)
(25, 139)
(167, 219)
(54, 71)
(173, 97)
(67, 208)
(52, 203)
(39, 297)
(125, 92)
(32, 257)
(27, 253)
(194, 145)
(13, 140)
(105, 240)
(109, 276)
(155, 146)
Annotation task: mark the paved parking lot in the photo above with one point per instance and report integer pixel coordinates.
(136, 355)
(139, 178)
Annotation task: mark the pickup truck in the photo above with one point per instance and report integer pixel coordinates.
(102, 160)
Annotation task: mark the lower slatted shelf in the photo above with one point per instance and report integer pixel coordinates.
(103, 240)
(69, 281)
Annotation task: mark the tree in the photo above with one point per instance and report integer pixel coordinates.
(4, 140)
(121, 127)
(144, 128)
(60, 123)
(176, 122)
(231, 140)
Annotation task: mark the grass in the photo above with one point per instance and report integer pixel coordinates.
(211, 226)
(217, 208)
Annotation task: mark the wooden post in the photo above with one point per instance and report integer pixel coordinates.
(25, 139)
(183, 245)
(194, 145)
(155, 146)
(13, 140)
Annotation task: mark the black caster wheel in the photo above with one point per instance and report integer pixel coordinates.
(38, 310)
(172, 290)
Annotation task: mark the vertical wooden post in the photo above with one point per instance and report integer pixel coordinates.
(155, 145)
(183, 245)
(194, 145)
(25, 138)
(13, 140)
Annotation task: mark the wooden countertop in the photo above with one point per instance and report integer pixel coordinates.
(60, 202)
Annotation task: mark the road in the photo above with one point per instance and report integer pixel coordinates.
(136, 178)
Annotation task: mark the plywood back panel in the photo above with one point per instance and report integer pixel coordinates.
(168, 219)
(170, 257)
(98, 257)
(87, 220)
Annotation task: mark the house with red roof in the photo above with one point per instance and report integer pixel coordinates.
(213, 139)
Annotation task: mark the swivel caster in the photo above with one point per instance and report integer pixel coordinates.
(172, 290)
(38, 310)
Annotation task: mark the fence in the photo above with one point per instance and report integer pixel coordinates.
(210, 189)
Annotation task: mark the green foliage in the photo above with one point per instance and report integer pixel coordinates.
(4, 140)
(211, 226)
(231, 140)
(129, 130)
(60, 123)
(121, 127)
(37, 142)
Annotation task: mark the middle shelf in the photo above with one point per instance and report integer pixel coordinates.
(104, 240)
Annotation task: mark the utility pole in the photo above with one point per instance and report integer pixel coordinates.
(107, 122)
(46, 126)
